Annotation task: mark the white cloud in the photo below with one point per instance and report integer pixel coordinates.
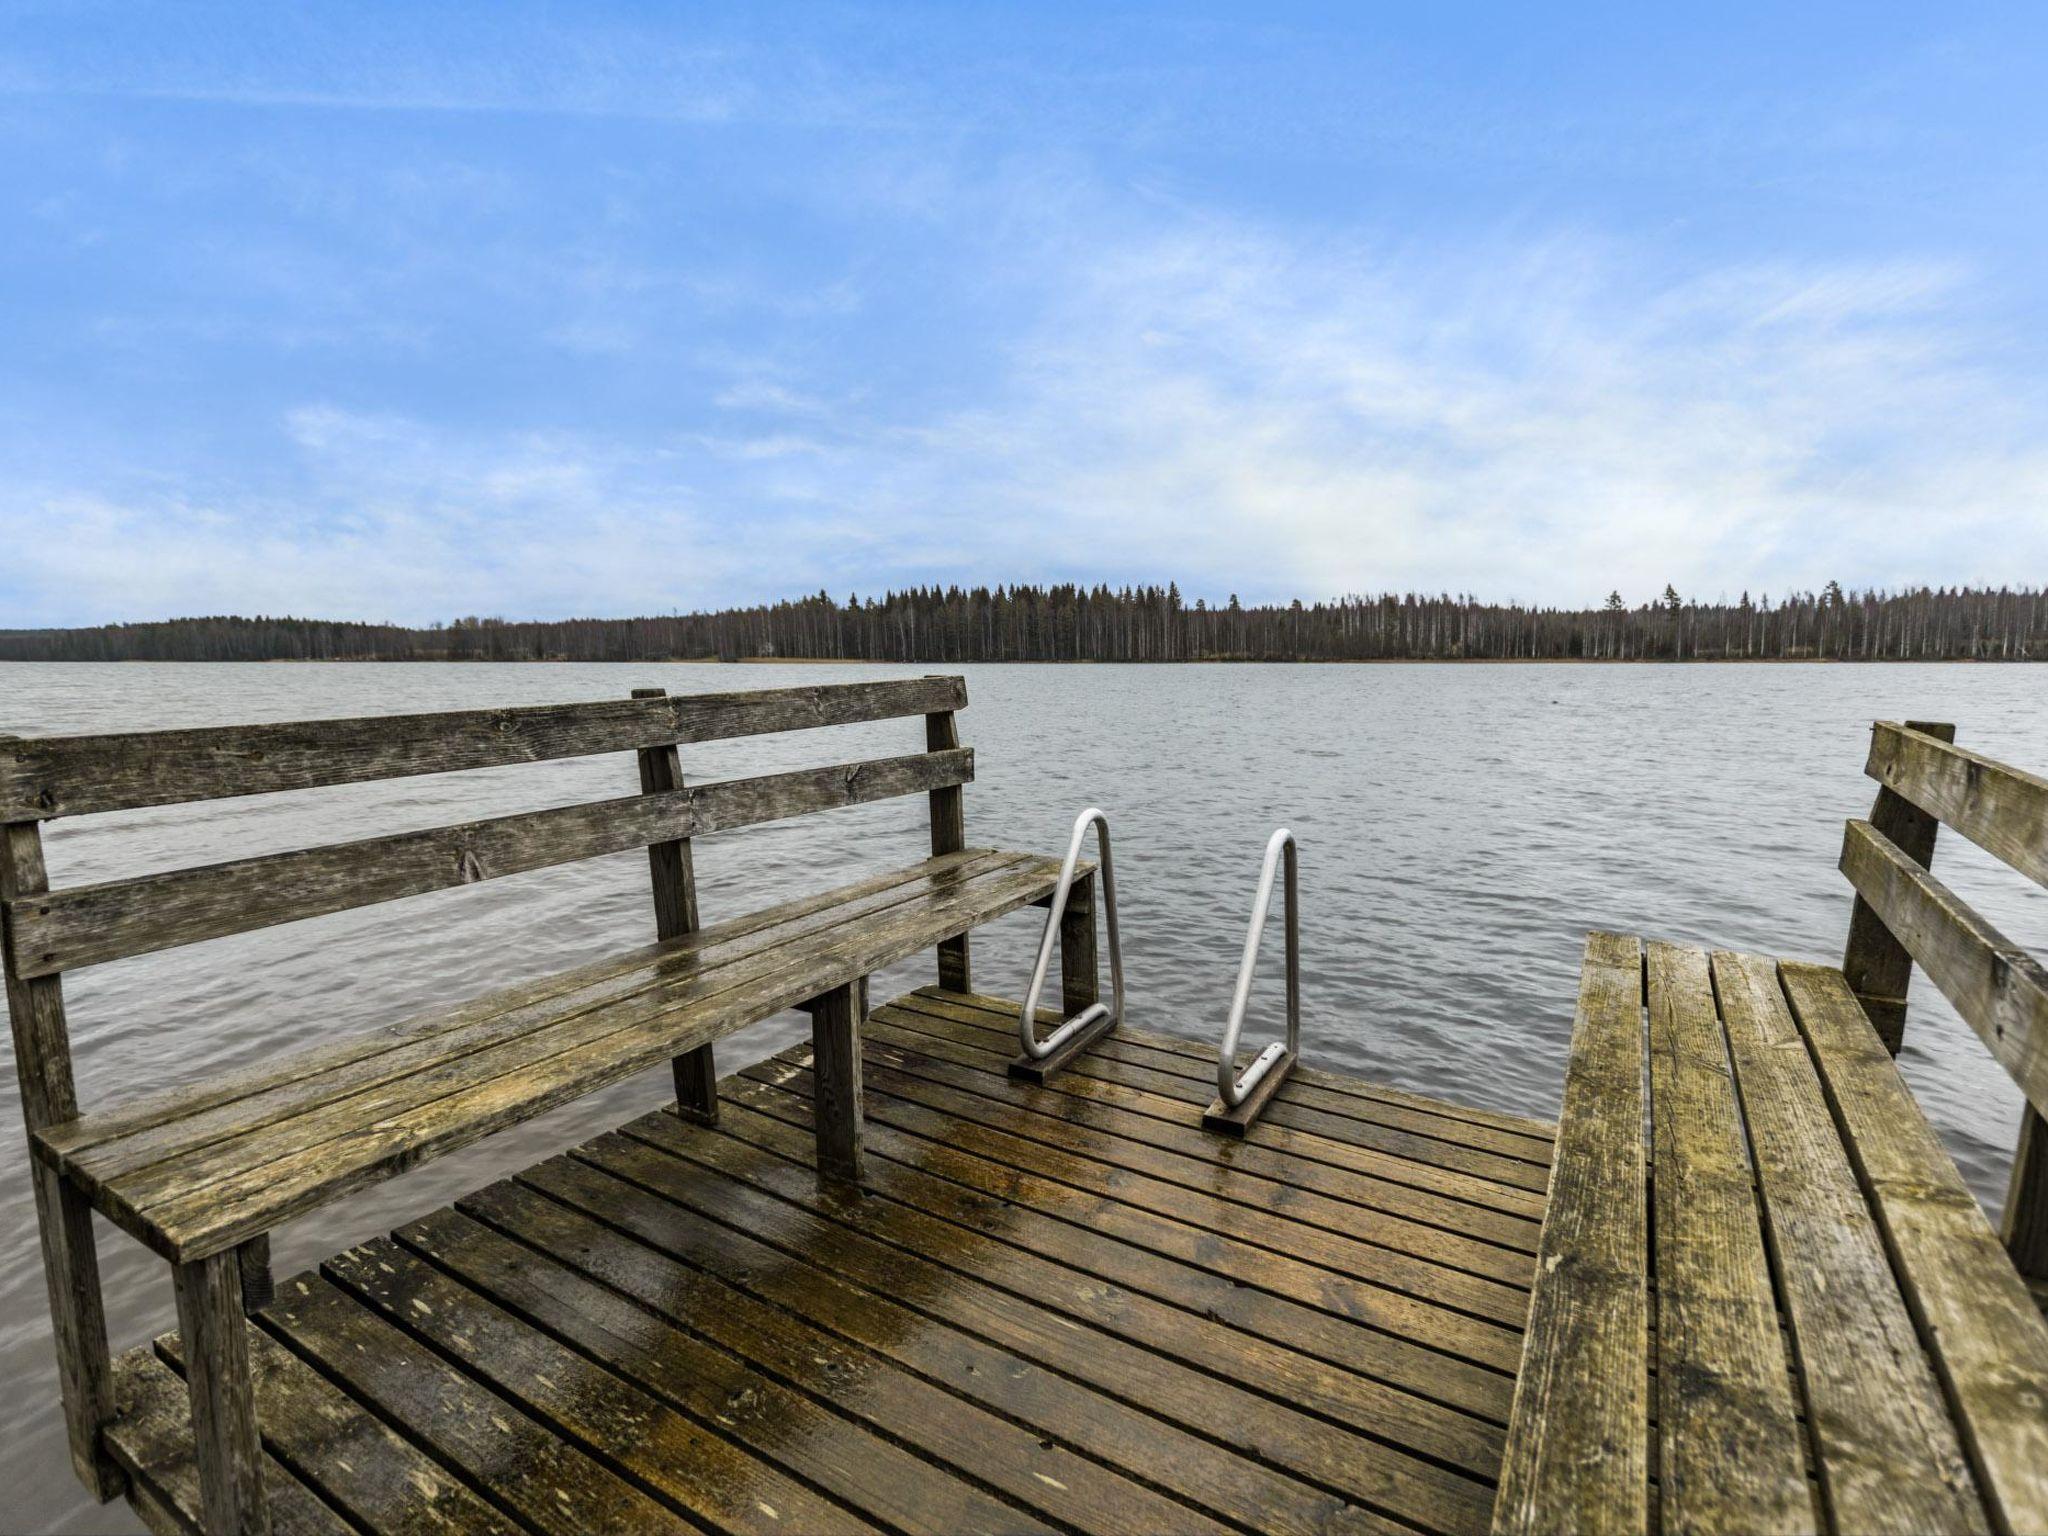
(1220, 405)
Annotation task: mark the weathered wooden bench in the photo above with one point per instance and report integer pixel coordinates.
(201, 1174)
(1762, 1282)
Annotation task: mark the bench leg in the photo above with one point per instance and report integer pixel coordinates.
(955, 974)
(2026, 1199)
(224, 1429)
(835, 1068)
(252, 1267)
(85, 1370)
(697, 1086)
(1080, 973)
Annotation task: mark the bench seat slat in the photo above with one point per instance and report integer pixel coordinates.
(1582, 1382)
(50, 776)
(96, 1155)
(1889, 1456)
(1989, 1343)
(214, 1195)
(88, 924)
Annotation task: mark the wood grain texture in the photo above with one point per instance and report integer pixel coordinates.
(889, 1250)
(105, 1143)
(675, 1276)
(1889, 1456)
(2002, 809)
(843, 1456)
(1730, 1456)
(49, 776)
(672, 871)
(2000, 990)
(1877, 964)
(218, 1382)
(949, 835)
(43, 1077)
(88, 924)
(222, 1194)
(1975, 1315)
(151, 1440)
(1578, 1436)
(836, 1019)
(350, 1458)
(2024, 1223)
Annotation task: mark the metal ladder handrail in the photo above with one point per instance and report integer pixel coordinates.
(1027, 1030)
(1234, 1090)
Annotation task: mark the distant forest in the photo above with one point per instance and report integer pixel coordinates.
(1071, 623)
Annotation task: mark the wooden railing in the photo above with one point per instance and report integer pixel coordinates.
(1904, 915)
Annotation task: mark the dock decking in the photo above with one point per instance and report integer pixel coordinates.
(1045, 1308)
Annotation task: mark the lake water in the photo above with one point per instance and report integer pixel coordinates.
(1461, 828)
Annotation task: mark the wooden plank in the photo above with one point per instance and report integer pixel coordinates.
(222, 1196)
(345, 1453)
(1286, 1157)
(1080, 971)
(2002, 809)
(1730, 1453)
(71, 1269)
(836, 1019)
(48, 776)
(673, 873)
(848, 1461)
(1423, 1123)
(1577, 1448)
(1888, 1454)
(88, 924)
(1182, 1154)
(1976, 1318)
(1034, 1471)
(103, 1146)
(1476, 1172)
(1137, 1349)
(1998, 988)
(687, 1464)
(1877, 964)
(982, 1376)
(1362, 1248)
(1363, 1327)
(1344, 1085)
(534, 1472)
(150, 1441)
(223, 1402)
(1170, 1409)
(949, 835)
(1059, 1268)
(2024, 1225)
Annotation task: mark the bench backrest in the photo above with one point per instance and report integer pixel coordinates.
(1905, 915)
(48, 932)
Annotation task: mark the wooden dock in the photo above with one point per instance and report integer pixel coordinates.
(901, 1278)
(1045, 1308)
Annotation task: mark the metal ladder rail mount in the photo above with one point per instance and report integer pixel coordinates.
(1042, 1058)
(1240, 1098)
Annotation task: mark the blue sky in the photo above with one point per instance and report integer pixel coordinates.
(415, 311)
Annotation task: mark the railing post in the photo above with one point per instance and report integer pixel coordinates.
(71, 1264)
(836, 1018)
(2025, 1224)
(675, 913)
(949, 835)
(1875, 964)
(224, 1433)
